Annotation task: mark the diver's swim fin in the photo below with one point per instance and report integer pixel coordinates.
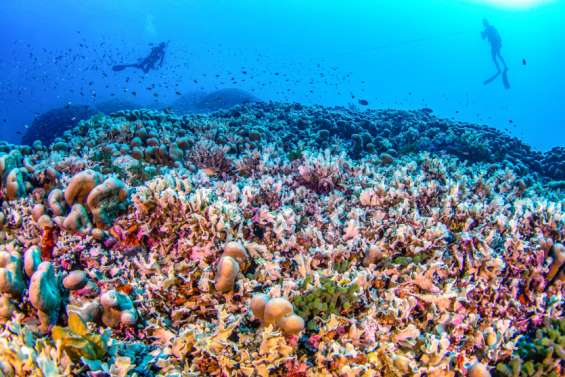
(505, 81)
(491, 79)
(121, 67)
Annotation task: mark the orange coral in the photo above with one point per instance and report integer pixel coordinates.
(47, 242)
(127, 238)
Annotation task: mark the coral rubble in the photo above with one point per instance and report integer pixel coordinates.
(281, 240)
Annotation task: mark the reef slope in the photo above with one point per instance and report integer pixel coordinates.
(281, 240)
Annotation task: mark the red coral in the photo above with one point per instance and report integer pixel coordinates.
(47, 242)
(295, 369)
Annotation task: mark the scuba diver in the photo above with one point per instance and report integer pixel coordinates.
(493, 37)
(152, 61)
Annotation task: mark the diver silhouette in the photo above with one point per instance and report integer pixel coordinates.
(152, 61)
(493, 37)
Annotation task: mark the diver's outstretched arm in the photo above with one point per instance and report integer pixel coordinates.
(121, 67)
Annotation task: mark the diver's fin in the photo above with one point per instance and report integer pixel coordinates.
(505, 81)
(491, 79)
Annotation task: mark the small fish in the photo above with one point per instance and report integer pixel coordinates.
(178, 93)
(363, 102)
(524, 62)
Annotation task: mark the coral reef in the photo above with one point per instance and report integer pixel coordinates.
(53, 123)
(200, 102)
(281, 240)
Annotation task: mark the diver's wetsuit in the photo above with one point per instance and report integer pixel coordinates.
(493, 37)
(152, 61)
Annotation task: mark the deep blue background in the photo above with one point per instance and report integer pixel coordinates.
(401, 54)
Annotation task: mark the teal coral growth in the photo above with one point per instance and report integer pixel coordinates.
(542, 355)
(329, 298)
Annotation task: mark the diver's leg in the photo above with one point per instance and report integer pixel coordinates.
(502, 60)
(494, 52)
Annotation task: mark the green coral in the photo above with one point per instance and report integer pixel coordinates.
(342, 266)
(320, 302)
(539, 355)
(405, 261)
(78, 342)
(294, 155)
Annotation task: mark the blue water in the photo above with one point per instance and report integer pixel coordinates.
(395, 54)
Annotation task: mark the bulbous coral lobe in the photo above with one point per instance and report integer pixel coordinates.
(11, 276)
(81, 185)
(234, 259)
(56, 202)
(118, 309)
(227, 271)
(479, 370)
(44, 295)
(105, 200)
(32, 260)
(15, 185)
(277, 312)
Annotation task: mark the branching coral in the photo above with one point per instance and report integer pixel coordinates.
(321, 173)
(210, 157)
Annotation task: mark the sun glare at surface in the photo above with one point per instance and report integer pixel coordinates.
(516, 4)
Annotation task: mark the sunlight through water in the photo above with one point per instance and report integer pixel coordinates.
(516, 4)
